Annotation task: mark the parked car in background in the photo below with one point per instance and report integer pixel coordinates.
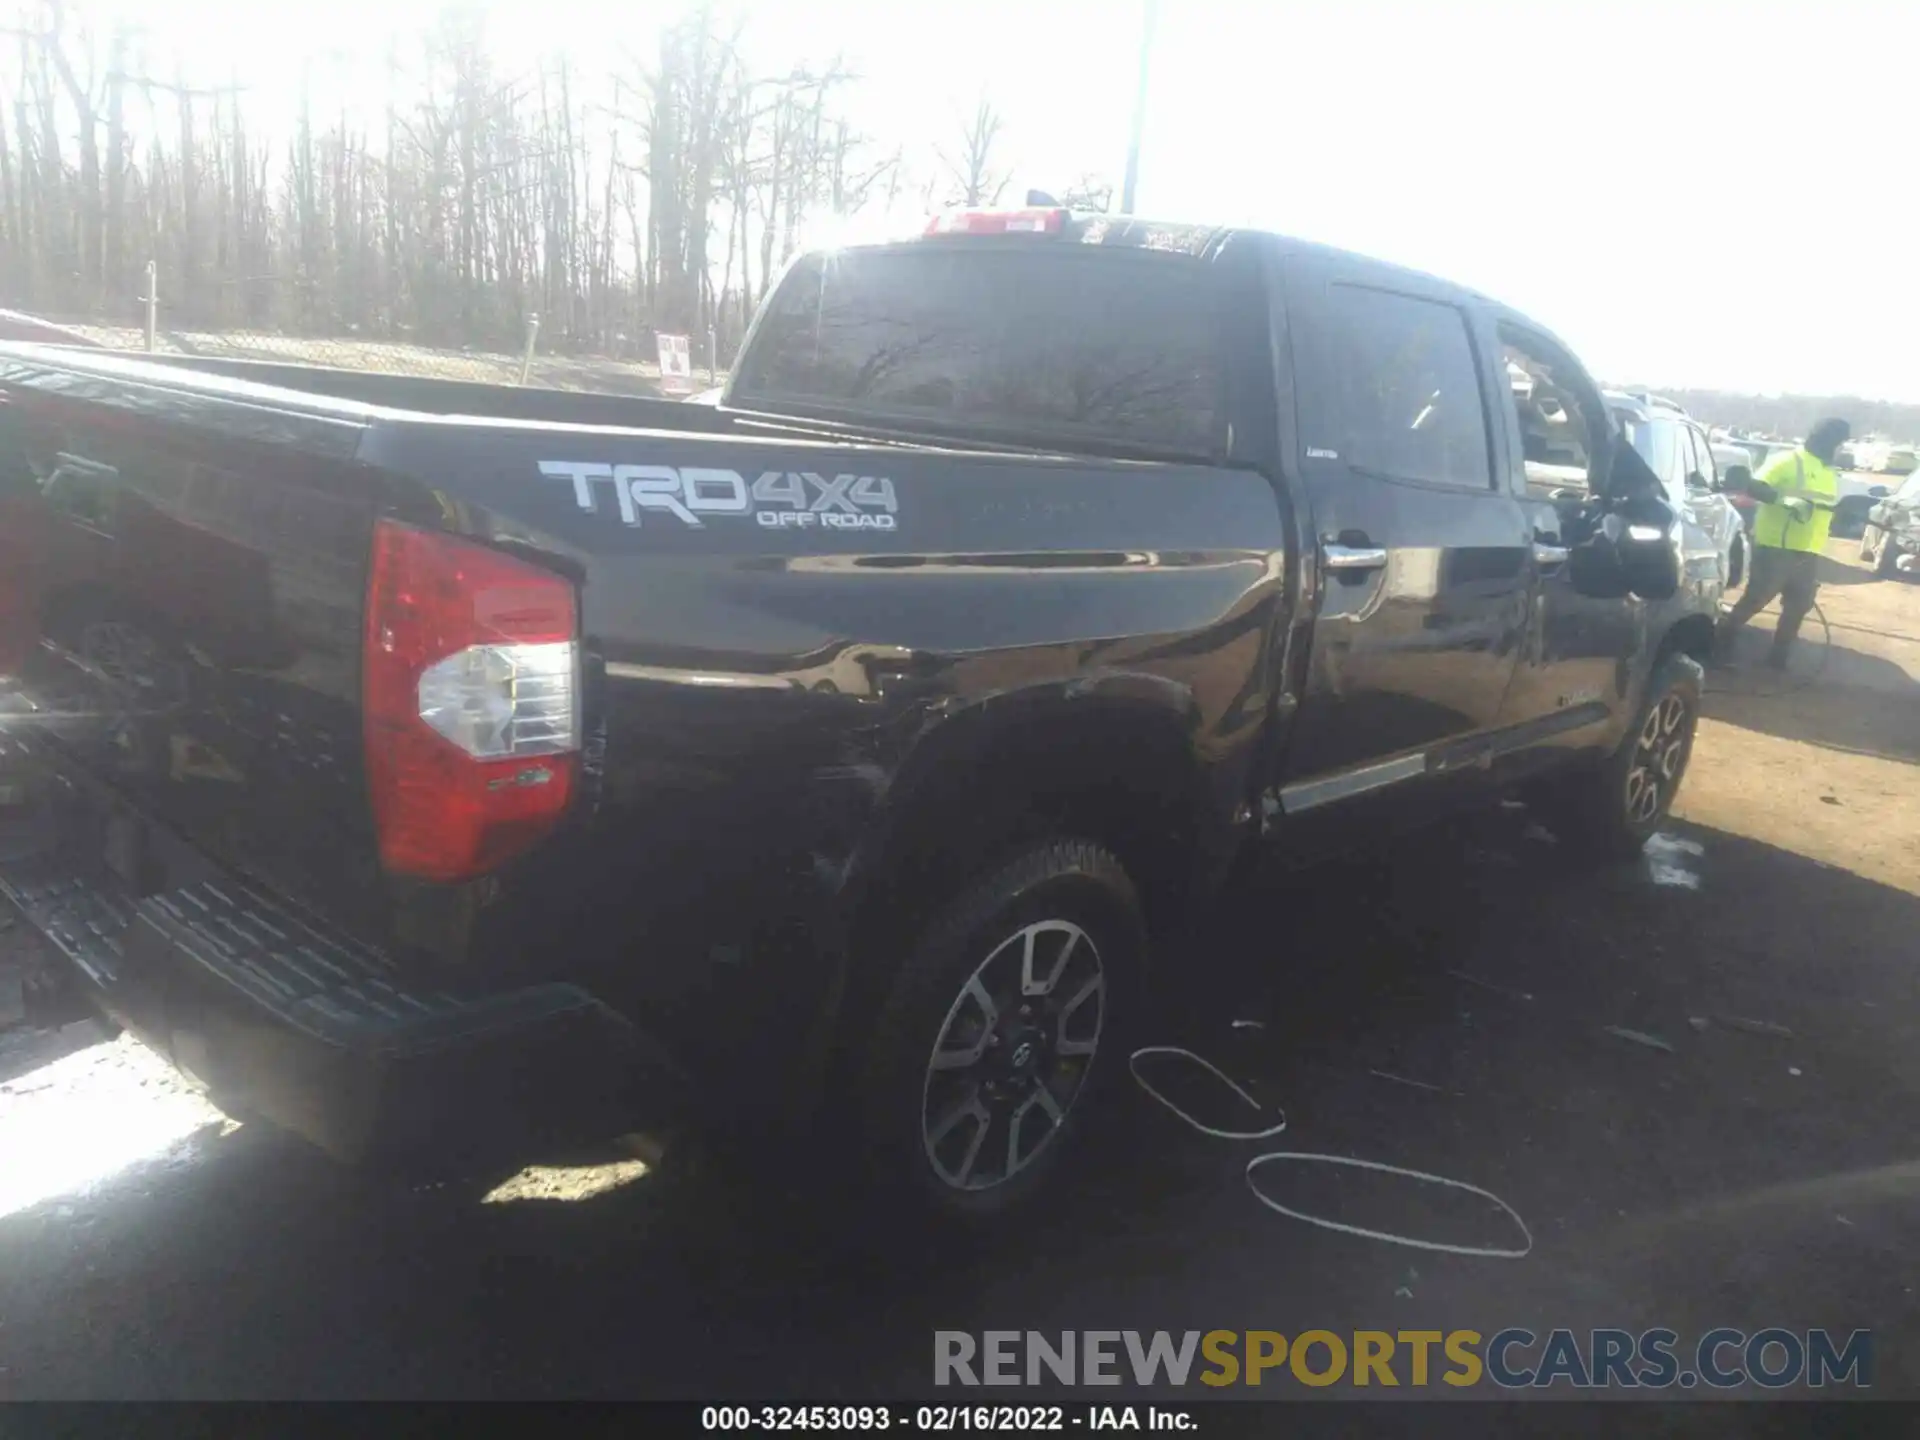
(1859, 492)
(1890, 540)
(1734, 461)
(1677, 450)
(1901, 460)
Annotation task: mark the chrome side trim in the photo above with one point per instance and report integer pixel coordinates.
(1344, 784)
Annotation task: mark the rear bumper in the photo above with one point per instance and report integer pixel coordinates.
(305, 1029)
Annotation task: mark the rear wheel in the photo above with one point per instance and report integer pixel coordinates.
(1613, 809)
(1002, 1028)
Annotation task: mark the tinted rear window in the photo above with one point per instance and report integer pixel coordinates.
(1062, 344)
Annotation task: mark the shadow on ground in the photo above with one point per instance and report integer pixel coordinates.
(1831, 695)
(1439, 1005)
(1837, 572)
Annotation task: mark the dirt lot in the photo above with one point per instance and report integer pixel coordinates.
(1855, 700)
(1751, 1159)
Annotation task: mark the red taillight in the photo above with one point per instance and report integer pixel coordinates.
(472, 707)
(998, 222)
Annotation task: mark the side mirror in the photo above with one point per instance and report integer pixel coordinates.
(1697, 481)
(1630, 550)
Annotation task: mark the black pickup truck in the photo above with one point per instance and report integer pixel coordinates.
(410, 761)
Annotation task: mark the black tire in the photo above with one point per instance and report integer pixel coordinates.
(1606, 811)
(904, 1096)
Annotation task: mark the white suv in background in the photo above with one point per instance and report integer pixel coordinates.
(1677, 450)
(1890, 539)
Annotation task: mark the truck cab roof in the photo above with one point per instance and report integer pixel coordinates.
(1200, 241)
(880, 334)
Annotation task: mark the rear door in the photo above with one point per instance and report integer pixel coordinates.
(1424, 551)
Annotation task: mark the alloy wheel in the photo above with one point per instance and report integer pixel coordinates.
(1012, 1055)
(1659, 759)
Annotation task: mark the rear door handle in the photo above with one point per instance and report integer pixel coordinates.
(1354, 557)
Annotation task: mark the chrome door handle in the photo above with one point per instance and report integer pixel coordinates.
(1549, 555)
(1350, 557)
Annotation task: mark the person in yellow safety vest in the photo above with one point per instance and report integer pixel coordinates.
(1798, 494)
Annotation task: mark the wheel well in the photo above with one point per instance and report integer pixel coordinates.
(1123, 777)
(1690, 635)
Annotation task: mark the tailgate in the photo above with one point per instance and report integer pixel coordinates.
(185, 582)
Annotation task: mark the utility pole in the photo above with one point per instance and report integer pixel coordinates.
(1127, 191)
(152, 301)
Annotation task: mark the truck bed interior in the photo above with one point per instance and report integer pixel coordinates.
(482, 400)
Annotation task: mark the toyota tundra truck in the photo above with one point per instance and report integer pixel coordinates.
(411, 761)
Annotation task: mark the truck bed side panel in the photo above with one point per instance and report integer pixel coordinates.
(761, 683)
(783, 638)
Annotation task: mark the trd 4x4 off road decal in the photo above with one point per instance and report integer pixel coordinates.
(778, 500)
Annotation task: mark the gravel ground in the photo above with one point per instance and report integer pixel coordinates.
(1746, 1154)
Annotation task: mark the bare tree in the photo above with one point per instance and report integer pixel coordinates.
(973, 169)
(484, 189)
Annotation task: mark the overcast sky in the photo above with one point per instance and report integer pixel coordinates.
(1690, 192)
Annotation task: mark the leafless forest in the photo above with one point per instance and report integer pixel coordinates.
(660, 193)
(1796, 414)
(660, 196)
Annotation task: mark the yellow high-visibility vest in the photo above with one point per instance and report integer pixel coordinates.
(1797, 474)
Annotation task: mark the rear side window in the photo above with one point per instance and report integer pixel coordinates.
(1662, 443)
(1408, 389)
(1034, 342)
(1703, 465)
